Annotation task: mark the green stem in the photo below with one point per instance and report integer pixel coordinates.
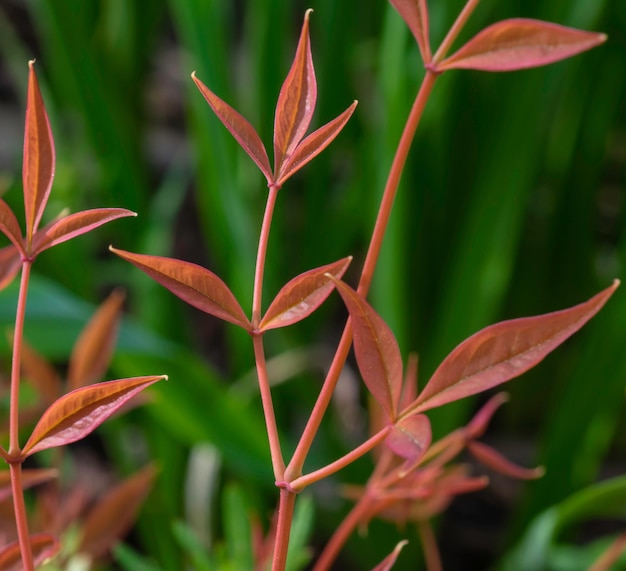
(14, 446)
(294, 469)
(283, 529)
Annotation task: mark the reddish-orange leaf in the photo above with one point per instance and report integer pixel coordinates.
(43, 545)
(410, 437)
(302, 295)
(38, 168)
(504, 351)
(30, 478)
(192, 283)
(415, 14)
(114, 513)
(296, 102)
(74, 225)
(496, 461)
(240, 128)
(10, 227)
(92, 351)
(10, 264)
(479, 423)
(376, 349)
(313, 145)
(520, 43)
(78, 413)
(388, 562)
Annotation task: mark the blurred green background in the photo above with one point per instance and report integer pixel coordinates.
(512, 204)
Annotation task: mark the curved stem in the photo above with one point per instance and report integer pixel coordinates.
(295, 466)
(257, 296)
(342, 533)
(283, 529)
(303, 481)
(268, 408)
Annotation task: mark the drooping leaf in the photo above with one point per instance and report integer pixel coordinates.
(302, 295)
(388, 562)
(410, 437)
(78, 413)
(415, 14)
(376, 349)
(38, 167)
(30, 478)
(496, 461)
(92, 351)
(43, 545)
(10, 264)
(504, 351)
(520, 43)
(114, 513)
(313, 145)
(10, 227)
(76, 224)
(240, 128)
(296, 101)
(192, 283)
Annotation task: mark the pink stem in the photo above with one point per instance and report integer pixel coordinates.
(294, 469)
(283, 529)
(257, 296)
(14, 446)
(278, 463)
(303, 481)
(342, 533)
(454, 31)
(429, 543)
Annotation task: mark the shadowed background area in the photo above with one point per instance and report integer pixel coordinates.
(512, 204)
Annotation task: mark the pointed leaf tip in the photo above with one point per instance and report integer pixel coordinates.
(520, 43)
(239, 127)
(302, 295)
(503, 351)
(80, 412)
(296, 101)
(192, 283)
(39, 156)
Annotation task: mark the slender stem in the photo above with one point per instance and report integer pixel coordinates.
(303, 481)
(429, 543)
(257, 296)
(21, 522)
(268, 408)
(342, 533)
(283, 529)
(14, 446)
(455, 30)
(295, 466)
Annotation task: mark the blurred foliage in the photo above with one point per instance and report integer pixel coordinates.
(512, 204)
